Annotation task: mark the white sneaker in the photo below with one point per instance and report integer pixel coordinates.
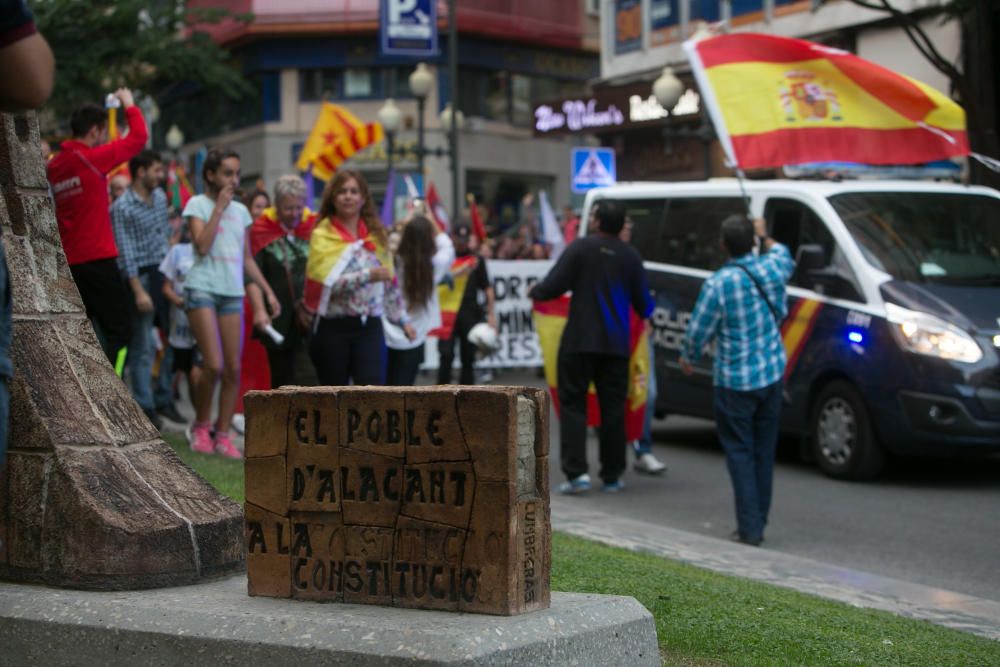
(649, 464)
(239, 423)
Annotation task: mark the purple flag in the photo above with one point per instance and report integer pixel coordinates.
(388, 209)
(307, 178)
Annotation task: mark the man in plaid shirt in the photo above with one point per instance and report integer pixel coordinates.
(140, 220)
(740, 306)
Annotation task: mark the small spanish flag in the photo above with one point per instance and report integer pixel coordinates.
(450, 296)
(778, 101)
(550, 320)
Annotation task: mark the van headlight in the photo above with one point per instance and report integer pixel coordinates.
(925, 334)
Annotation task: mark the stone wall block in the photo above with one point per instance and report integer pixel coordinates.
(105, 528)
(372, 488)
(267, 423)
(368, 564)
(25, 514)
(437, 434)
(21, 161)
(368, 420)
(319, 568)
(217, 521)
(268, 561)
(48, 403)
(490, 551)
(266, 483)
(427, 565)
(489, 423)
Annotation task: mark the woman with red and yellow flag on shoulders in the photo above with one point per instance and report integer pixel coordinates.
(350, 286)
(279, 241)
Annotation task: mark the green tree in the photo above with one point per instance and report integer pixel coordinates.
(146, 45)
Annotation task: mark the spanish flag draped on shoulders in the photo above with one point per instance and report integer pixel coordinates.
(332, 252)
(267, 229)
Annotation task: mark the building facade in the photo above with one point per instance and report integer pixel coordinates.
(640, 37)
(298, 53)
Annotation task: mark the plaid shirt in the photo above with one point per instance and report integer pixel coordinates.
(142, 231)
(750, 353)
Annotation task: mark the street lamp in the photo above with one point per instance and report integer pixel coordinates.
(420, 85)
(389, 116)
(668, 90)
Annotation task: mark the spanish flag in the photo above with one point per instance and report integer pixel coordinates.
(550, 320)
(336, 136)
(778, 101)
(450, 296)
(330, 250)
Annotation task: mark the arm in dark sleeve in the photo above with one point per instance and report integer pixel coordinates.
(113, 153)
(559, 280)
(642, 301)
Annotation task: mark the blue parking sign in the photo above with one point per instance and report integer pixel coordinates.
(408, 27)
(592, 168)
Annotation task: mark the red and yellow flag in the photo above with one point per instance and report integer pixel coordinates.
(336, 136)
(779, 101)
(450, 296)
(113, 134)
(550, 320)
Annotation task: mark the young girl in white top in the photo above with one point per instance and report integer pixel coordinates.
(213, 296)
(424, 256)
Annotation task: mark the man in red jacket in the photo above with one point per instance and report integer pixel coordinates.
(80, 186)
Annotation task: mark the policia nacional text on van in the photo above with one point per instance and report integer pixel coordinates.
(893, 333)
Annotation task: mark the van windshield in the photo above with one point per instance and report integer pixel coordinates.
(926, 236)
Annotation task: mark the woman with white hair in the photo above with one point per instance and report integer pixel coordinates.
(279, 241)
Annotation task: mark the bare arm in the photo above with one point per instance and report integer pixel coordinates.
(30, 63)
(491, 314)
(256, 298)
(172, 295)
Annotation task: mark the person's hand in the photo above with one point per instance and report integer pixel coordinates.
(686, 366)
(491, 319)
(125, 95)
(225, 196)
(260, 320)
(760, 227)
(379, 274)
(273, 304)
(411, 333)
(178, 301)
(143, 302)
(528, 199)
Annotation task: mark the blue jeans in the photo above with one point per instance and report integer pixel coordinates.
(163, 391)
(644, 445)
(140, 353)
(747, 426)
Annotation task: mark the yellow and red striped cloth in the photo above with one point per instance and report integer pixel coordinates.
(779, 101)
(328, 245)
(450, 296)
(336, 136)
(550, 320)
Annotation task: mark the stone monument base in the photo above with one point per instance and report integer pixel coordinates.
(218, 624)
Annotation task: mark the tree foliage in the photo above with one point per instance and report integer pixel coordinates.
(146, 45)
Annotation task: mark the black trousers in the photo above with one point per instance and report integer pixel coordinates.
(466, 351)
(106, 298)
(610, 376)
(291, 366)
(403, 366)
(345, 349)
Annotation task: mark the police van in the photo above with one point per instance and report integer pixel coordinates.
(893, 333)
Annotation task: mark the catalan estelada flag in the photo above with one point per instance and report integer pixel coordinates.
(450, 295)
(337, 135)
(550, 320)
(779, 101)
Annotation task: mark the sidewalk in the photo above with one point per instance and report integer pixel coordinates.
(860, 589)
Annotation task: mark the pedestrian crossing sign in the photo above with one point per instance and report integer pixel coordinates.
(593, 168)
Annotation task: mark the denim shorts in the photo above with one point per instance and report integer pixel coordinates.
(223, 305)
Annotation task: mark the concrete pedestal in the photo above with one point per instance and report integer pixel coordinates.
(218, 624)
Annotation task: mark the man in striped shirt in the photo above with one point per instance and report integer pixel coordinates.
(140, 220)
(741, 306)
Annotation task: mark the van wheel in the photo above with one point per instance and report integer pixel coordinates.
(842, 439)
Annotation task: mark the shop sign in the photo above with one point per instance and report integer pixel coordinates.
(610, 110)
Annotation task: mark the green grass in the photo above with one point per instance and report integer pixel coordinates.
(704, 618)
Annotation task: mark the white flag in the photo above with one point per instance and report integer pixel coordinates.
(550, 228)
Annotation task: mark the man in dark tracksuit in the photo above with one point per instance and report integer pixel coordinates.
(607, 278)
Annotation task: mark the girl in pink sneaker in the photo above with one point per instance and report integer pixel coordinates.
(213, 296)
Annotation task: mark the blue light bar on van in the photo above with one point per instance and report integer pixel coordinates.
(856, 337)
(939, 169)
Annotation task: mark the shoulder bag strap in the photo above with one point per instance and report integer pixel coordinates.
(763, 294)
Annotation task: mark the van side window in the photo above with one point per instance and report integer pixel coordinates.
(682, 231)
(795, 224)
